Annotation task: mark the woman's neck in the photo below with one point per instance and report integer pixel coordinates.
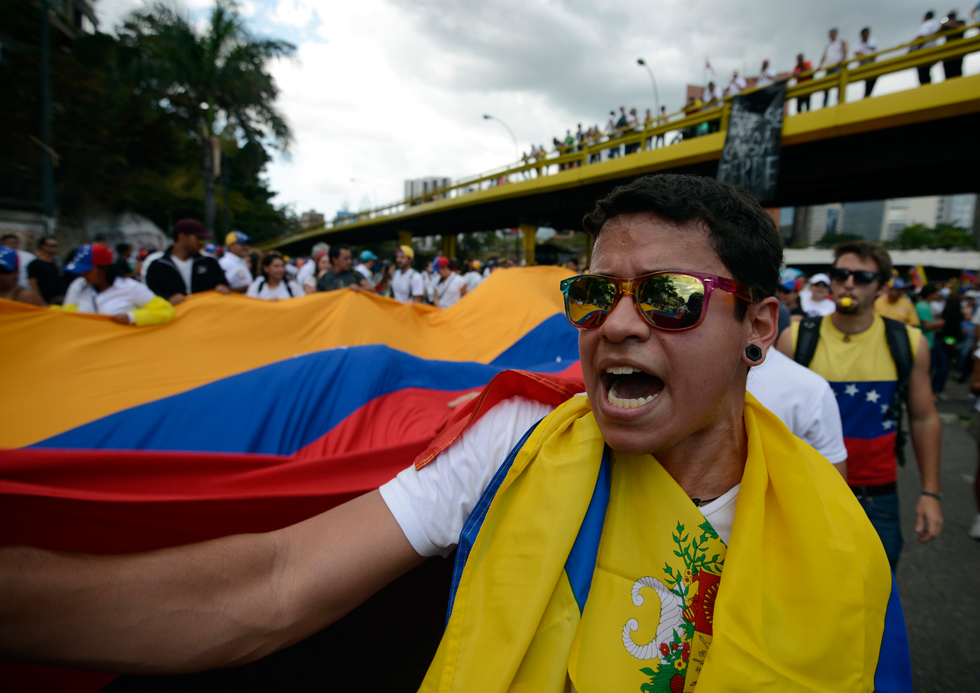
(272, 282)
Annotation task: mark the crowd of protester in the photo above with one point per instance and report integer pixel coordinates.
(142, 288)
(945, 312)
(836, 54)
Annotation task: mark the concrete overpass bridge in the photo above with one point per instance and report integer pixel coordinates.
(922, 141)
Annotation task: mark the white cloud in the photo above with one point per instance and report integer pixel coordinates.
(297, 13)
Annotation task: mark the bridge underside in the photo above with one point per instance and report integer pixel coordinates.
(936, 157)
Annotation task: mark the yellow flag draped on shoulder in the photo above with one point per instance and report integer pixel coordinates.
(585, 568)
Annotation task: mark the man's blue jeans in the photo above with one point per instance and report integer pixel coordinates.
(883, 513)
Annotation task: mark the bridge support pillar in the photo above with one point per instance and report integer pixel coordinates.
(405, 238)
(449, 245)
(527, 234)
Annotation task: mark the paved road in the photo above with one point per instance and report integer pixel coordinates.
(939, 582)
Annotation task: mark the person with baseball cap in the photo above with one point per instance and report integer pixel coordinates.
(814, 299)
(10, 289)
(182, 270)
(234, 263)
(896, 304)
(474, 277)
(791, 282)
(366, 267)
(100, 289)
(451, 287)
(407, 284)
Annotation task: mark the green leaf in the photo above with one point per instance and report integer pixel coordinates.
(648, 671)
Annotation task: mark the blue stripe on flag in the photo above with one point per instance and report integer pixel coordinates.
(894, 672)
(580, 565)
(862, 408)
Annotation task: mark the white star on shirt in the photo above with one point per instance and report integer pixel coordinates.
(851, 390)
(887, 424)
(873, 396)
(884, 408)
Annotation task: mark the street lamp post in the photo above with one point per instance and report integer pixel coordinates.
(656, 97)
(517, 149)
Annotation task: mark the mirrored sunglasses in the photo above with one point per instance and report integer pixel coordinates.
(665, 300)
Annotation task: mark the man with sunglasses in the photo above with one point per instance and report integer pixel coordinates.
(551, 516)
(853, 354)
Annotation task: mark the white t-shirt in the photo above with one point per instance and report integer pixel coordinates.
(766, 77)
(473, 279)
(802, 400)
(124, 296)
(833, 53)
(156, 255)
(184, 268)
(450, 290)
(736, 86)
(24, 258)
(260, 289)
(708, 95)
(407, 285)
(363, 270)
(866, 48)
(236, 270)
(307, 270)
(816, 309)
(928, 28)
(431, 505)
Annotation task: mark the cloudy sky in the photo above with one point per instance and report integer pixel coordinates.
(385, 90)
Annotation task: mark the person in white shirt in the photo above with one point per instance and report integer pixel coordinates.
(318, 266)
(929, 27)
(235, 261)
(12, 240)
(450, 288)
(98, 289)
(273, 285)
(814, 299)
(407, 285)
(309, 268)
(767, 75)
(366, 267)
(736, 86)
(474, 277)
(864, 47)
(712, 95)
(834, 54)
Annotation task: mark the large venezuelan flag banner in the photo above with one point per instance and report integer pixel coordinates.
(241, 415)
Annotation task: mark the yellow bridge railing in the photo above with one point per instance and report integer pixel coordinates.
(854, 69)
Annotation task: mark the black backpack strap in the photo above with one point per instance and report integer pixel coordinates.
(806, 341)
(288, 290)
(901, 350)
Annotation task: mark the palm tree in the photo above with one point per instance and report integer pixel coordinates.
(214, 79)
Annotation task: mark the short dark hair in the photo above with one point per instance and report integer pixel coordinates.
(9, 235)
(334, 251)
(123, 247)
(739, 229)
(865, 250)
(930, 14)
(44, 239)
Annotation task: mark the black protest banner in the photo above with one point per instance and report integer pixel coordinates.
(750, 158)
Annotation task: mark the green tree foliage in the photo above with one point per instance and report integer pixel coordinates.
(831, 239)
(121, 146)
(946, 236)
(213, 82)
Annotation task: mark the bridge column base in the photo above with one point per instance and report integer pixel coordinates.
(527, 240)
(405, 238)
(449, 245)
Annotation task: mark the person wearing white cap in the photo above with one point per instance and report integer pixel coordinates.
(309, 268)
(407, 285)
(814, 300)
(235, 261)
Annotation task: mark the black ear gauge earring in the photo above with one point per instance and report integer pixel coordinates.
(753, 352)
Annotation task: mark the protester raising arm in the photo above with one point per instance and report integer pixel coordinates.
(217, 603)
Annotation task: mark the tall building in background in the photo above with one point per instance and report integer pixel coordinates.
(311, 219)
(424, 187)
(958, 210)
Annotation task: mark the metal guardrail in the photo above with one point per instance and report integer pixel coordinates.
(581, 154)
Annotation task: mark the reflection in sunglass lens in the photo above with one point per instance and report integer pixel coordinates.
(589, 300)
(860, 276)
(671, 301)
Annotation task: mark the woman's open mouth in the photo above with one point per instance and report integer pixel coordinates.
(628, 387)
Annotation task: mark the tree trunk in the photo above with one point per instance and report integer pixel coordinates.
(210, 204)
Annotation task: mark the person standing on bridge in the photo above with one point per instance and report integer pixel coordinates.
(929, 27)
(767, 75)
(803, 71)
(736, 86)
(866, 46)
(834, 55)
(953, 29)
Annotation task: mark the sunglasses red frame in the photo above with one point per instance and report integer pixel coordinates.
(629, 287)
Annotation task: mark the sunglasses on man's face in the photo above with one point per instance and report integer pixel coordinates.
(839, 274)
(665, 300)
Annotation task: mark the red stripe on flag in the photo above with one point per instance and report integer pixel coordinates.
(871, 462)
